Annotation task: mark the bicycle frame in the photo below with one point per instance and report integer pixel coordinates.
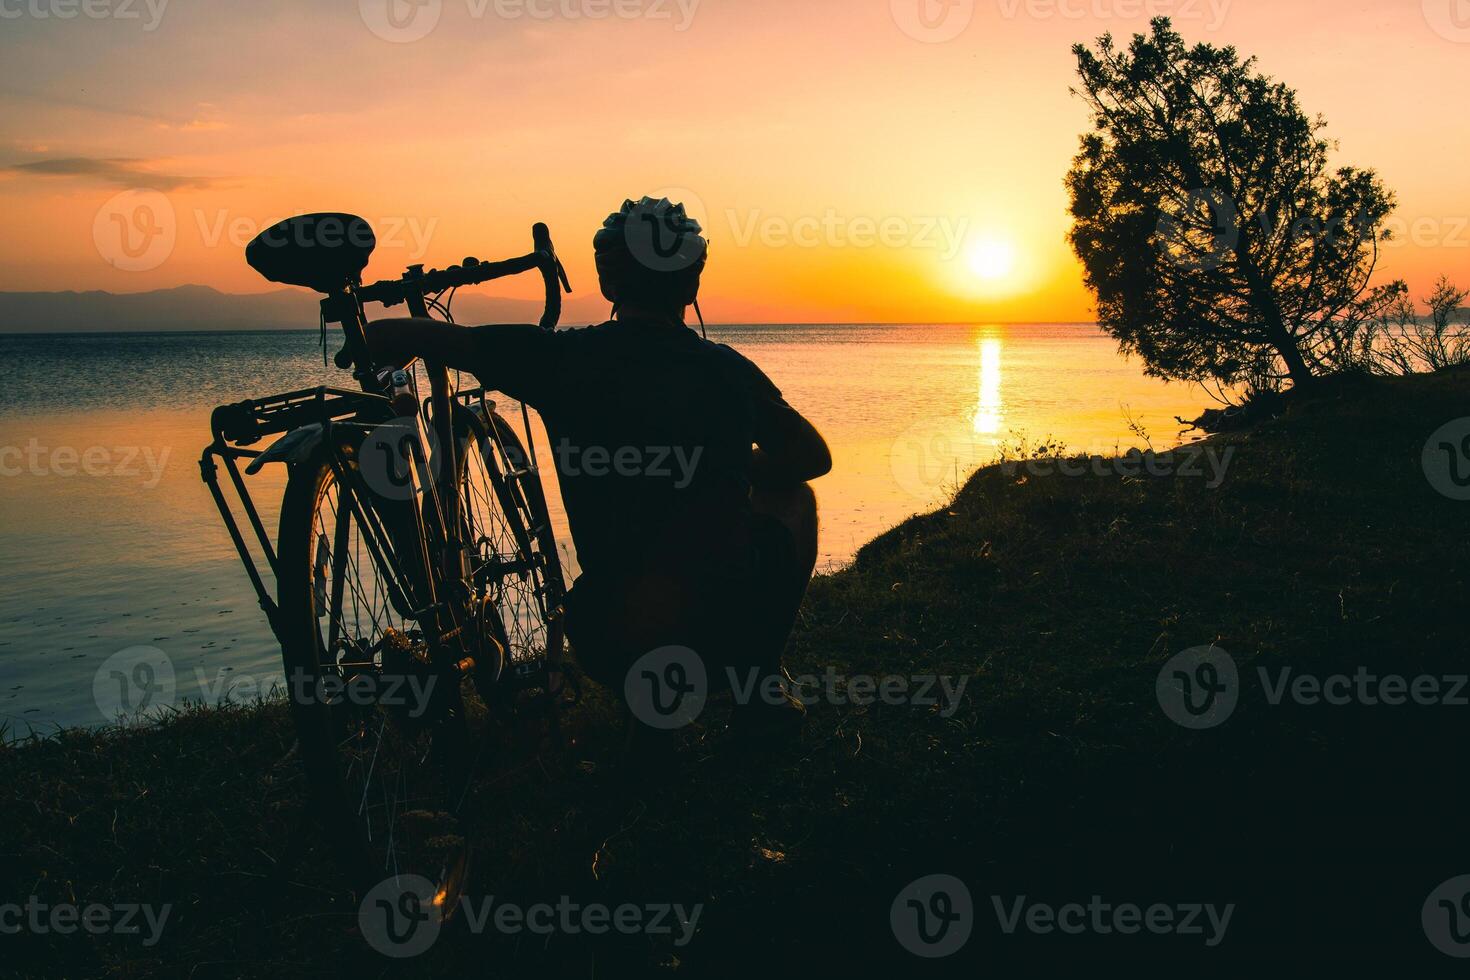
(335, 418)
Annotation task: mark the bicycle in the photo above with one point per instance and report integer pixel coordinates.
(418, 585)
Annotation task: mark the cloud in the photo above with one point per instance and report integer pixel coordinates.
(119, 171)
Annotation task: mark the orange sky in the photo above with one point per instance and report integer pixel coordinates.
(849, 162)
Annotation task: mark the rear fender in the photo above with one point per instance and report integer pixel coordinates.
(296, 446)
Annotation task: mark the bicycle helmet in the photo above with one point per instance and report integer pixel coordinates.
(650, 251)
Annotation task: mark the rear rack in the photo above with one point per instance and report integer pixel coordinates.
(245, 423)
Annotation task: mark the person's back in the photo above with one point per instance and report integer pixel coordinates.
(651, 429)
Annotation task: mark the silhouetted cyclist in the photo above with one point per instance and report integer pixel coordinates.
(686, 534)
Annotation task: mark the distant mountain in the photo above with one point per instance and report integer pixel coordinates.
(204, 308)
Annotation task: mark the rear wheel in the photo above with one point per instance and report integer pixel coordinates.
(390, 728)
(387, 734)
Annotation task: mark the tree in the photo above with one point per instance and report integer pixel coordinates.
(1208, 223)
(1417, 345)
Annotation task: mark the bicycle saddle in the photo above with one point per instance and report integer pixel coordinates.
(324, 252)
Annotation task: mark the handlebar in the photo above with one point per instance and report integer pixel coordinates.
(416, 282)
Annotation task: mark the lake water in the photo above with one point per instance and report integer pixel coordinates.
(108, 539)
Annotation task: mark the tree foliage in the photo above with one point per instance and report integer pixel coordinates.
(1211, 228)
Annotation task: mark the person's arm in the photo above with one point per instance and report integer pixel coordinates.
(789, 450)
(399, 341)
(504, 357)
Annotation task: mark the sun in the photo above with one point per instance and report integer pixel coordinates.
(991, 259)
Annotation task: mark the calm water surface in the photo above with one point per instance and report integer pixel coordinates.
(109, 539)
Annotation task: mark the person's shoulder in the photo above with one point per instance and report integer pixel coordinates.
(743, 368)
(576, 338)
(606, 328)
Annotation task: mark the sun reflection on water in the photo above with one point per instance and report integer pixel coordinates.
(989, 411)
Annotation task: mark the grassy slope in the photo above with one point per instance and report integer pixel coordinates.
(1057, 778)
